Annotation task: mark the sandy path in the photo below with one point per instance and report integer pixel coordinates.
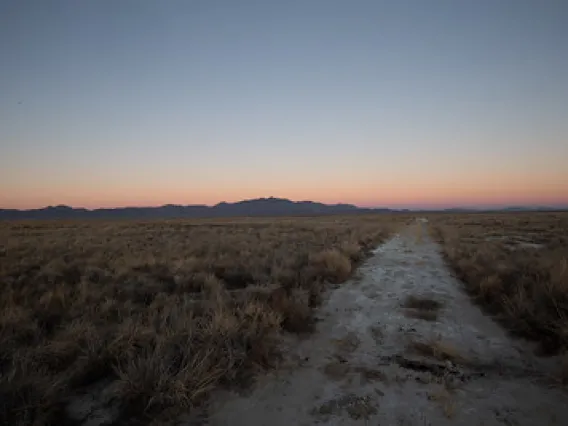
(357, 367)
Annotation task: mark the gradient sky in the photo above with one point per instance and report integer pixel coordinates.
(378, 103)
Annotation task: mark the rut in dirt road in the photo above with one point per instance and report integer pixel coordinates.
(401, 345)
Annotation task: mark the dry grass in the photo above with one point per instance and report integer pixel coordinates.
(421, 307)
(357, 407)
(444, 398)
(437, 349)
(516, 266)
(347, 344)
(422, 303)
(165, 311)
(421, 315)
(371, 374)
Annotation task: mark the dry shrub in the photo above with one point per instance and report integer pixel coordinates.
(332, 265)
(165, 311)
(353, 250)
(294, 309)
(182, 364)
(524, 285)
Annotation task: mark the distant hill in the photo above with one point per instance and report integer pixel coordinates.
(511, 209)
(256, 207)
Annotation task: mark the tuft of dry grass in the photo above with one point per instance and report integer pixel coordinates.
(515, 266)
(371, 374)
(357, 407)
(422, 307)
(165, 311)
(421, 315)
(332, 264)
(422, 303)
(437, 349)
(444, 398)
(348, 343)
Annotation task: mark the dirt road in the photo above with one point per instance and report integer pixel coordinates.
(402, 345)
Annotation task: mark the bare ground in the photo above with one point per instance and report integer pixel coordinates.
(401, 345)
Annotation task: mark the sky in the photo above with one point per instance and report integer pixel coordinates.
(402, 103)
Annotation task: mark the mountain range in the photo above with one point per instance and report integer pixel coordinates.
(256, 207)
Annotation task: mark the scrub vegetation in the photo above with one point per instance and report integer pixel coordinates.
(516, 267)
(159, 312)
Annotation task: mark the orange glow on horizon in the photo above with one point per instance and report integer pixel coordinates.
(365, 197)
(411, 188)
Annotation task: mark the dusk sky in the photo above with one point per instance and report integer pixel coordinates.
(378, 103)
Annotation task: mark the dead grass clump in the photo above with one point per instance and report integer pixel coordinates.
(293, 306)
(348, 343)
(444, 398)
(332, 265)
(421, 315)
(422, 303)
(423, 308)
(437, 349)
(371, 374)
(353, 250)
(357, 407)
(163, 311)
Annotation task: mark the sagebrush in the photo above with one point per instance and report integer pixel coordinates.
(162, 312)
(516, 266)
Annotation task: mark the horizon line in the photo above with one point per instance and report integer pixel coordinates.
(437, 206)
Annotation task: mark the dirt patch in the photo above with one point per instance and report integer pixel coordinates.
(378, 335)
(336, 370)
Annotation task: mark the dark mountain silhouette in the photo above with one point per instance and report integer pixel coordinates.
(256, 207)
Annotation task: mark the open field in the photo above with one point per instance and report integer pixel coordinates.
(162, 312)
(157, 315)
(515, 266)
